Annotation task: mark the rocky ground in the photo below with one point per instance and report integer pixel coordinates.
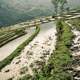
(76, 55)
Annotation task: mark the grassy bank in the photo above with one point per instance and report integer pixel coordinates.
(55, 69)
(17, 52)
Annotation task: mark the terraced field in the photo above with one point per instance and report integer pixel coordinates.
(11, 35)
(8, 48)
(42, 50)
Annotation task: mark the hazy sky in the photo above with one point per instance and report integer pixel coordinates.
(23, 4)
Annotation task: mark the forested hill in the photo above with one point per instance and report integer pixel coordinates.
(13, 11)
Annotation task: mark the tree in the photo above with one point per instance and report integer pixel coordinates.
(55, 3)
(62, 5)
(59, 6)
(67, 9)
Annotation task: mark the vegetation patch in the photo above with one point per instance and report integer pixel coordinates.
(17, 52)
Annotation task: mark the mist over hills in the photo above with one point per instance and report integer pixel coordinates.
(14, 11)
